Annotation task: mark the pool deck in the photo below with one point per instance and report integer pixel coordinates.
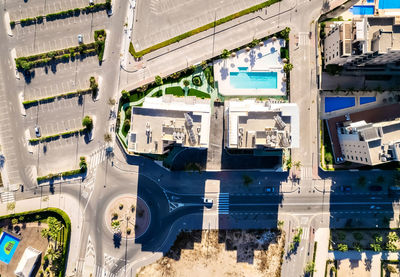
(258, 59)
(374, 115)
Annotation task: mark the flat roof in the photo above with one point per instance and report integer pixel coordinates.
(253, 123)
(168, 120)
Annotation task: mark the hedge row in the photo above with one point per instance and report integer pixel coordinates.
(26, 63)
(30, 216)
(59, 96)
(100, 41)
(200, 29)
(57, 136)
(64, 14)
(51, 176)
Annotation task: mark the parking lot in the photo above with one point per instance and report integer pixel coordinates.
(64, 114)
(58, 34)
(19, 9)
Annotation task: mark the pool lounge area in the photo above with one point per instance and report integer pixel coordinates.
(258, 72)
(8, 245)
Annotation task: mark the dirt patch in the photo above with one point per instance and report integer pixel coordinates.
(233, 253)
(354, 268)
(128, 215)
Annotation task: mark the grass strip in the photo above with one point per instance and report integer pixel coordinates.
(57, 136)
(138, 54)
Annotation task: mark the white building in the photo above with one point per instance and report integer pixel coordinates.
(370, 143)
(28, 262)
(255, 124)
(166, 121)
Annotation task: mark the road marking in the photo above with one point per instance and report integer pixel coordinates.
(223, 203)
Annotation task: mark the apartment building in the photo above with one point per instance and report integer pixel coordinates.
(167, 121)
(252, 124)
(370, 143)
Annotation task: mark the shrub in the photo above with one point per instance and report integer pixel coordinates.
(14, 221)
(285, 33)
(342, 247)
(12, 24)
(328, 158)
(186, 83)
(287, 67)
(158, 80)
(284, 53)
(128, 113)
(128, 231)
(125, 95)
(196, 80)
(358, 236)
(121, 206)
(87, 122)
(108, 4)
(225, 54)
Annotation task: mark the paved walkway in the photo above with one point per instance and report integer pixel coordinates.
(322, 237)
(65, 202)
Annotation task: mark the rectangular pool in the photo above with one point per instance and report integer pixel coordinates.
(338, 103)
(362, 10)
(254, 80)
(366, 100)
(8, 245)
(389, 4)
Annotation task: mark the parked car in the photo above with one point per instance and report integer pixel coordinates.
(375, 188)
(269, 189)
(37, 131)
(345, 188)
(80, 38)
(91, 2)
(207, 200)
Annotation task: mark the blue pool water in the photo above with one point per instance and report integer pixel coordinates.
(362, 10)
(242, 68)
(389, 4)
(370, 1)
(338, 103)
(366, 100)
(8, 245)
(254, 80)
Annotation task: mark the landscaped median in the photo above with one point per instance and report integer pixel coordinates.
(82, 170)
(58, 234)
(138, 54)
(92, 89)
(63, 55)
(63, 14)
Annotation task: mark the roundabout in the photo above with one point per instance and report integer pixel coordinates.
(128, 215)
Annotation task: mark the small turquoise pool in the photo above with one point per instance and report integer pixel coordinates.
(362, 10)
(254, 80)
(366, 100)
(338, 103)
(8, 245)
(370, 1)
(389, 4)
(242, 68)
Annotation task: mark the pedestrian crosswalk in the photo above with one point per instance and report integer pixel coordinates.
(306, 173)
(7, 197)
(96, 158)
(223, 203)
(306, 233)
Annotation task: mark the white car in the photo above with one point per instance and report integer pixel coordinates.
(208, 201)
(80, 38)
(37, 131)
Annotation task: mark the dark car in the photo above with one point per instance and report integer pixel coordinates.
(375, 188)
(345, 188)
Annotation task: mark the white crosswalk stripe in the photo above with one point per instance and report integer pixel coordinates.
(96, 158)
(306, 173)
(223, 203)
(306, 233)
(7, 197)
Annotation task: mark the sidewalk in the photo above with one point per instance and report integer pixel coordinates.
(64, 202)
(322, 237)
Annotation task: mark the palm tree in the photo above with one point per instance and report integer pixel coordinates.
(225, 54)
(297, 165)
(107, 137)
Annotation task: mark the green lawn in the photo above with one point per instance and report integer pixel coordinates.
(133, 97)
(177, 91)
(198, 93)
(157, 94)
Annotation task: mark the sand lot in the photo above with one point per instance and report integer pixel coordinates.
(221, 253)
(354, 268)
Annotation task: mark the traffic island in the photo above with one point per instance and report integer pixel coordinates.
(128, 216)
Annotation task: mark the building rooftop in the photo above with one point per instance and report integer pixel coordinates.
(254, 124)
(164, 121)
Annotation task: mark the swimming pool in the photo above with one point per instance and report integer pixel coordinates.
(338, 103)
(243, 68)
(370, 1)
(362, 10)
(389, 4)
(254, 80)
(366, 100)
(8, 245)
